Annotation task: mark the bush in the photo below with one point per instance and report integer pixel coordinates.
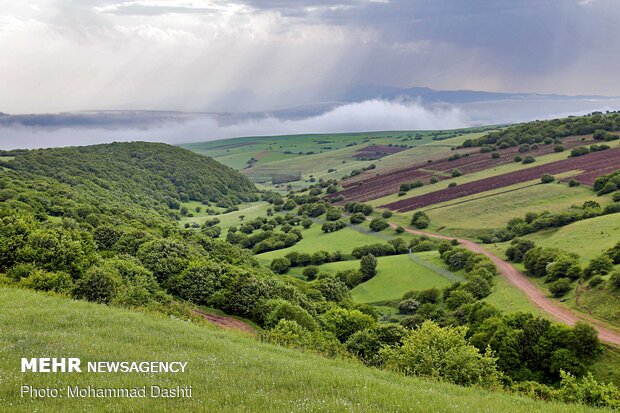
(378, 224)
(344, 323)
(547, 179)
(433, 180)
(420, 220)
(357, 218)
(284, 310)
(456, 173)
(280, 265)
(560, 287)
(368, 266)
(518, 158)
(442, 353)
(408, 306)
(40, 280)
(333, 214)
(310, 272)
(528, 159)
(614, 280)
(451, 184)
(495, 155)
(573, 183)
(399, 229)
(579, 151)
(386, 214)
(558, 148)
(99, 285)
(596, 280)
(600, 265)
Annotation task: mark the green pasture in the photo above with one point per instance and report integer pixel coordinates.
(228, 372)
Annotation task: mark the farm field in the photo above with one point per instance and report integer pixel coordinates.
(493, 209)
(249, 210)
(329, 155)
(599, 161)
(470, 160)
(222, 365)
(314, 240)
(395, 276)
(587, 238)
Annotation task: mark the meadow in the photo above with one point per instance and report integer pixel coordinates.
(222, 366)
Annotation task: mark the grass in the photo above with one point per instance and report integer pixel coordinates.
(228, 372)
(512, 300)
(493, 209)
(470, 177)
(587, 238)
(250, 211)
(395, 276)
(314, 240)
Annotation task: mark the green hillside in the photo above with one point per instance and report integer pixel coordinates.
(125, 180)
(228, 372)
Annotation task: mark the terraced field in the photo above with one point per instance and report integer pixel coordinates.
(601, 162)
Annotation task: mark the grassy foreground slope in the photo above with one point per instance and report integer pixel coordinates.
(228, 371)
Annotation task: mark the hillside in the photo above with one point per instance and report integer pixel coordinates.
(125, 180)
(227, 371)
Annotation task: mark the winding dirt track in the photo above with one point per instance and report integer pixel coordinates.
(516, 278)
(226, 322)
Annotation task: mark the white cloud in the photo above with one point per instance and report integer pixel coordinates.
(371, 115)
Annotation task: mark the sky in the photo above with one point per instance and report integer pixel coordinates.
(255, 55)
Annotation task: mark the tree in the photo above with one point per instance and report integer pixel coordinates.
(386, 214)
(306, 223)
(285, 310)
(408, 306)
(310, 272)
(547, 179)
(368, 266)
(378, 224)
(559, 287)
(280, 265)
(600, 265)
(357, 218)
(344, 323)
(517, 249)
(333, 214)
(164, 257)
(585, 340)
(420, 220)
(98, 284)
(442, 353)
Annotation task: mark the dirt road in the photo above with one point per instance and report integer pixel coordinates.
(519, 280)
(226, 322)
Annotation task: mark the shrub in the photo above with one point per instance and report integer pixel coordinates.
(333, 214)
(558, 148)
(442, 353)
(614, 280)
(600, 265)
(596, 280)
(399, 229)
(420, 220)
(528, 159)
(310, 272)
(284, 310)
(451, 184)
(378, 224)
(433, 180)
(344, 323)
(408, 306)
(560, 287)
(99, 285)
(357, 218)
(368, 266)
(518, 158)
(573, 183)
(547, 179)
(386, 214)
(40, 280)
(280, 265)
(495, 155)
(456, 173)
(579, 151)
